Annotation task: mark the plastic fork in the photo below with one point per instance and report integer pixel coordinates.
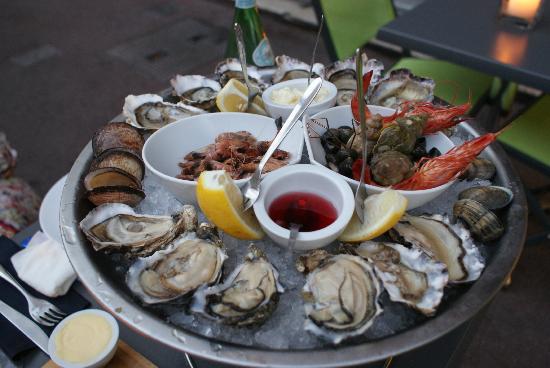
(41, 311)
(252, 90)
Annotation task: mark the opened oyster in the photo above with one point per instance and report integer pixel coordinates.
(115, 227)
(341, 296)
(452, 246)
(185, 265)
(409, 275)
(401, 85)
(196, 90)
(151, 112)
(248, 296)
(231, 68)
(290, 68)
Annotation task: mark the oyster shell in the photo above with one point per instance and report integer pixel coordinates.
(401, 85)
(482, 222)
(117, 135)
(341, 297)
(290, 68)
(176, 271)
(247, 297)
(409, 275)
(196, 90)
(116, 227)
(231, 68)
(452, 246)
(149, 111)
(120, 159)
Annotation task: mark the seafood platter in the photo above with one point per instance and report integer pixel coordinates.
(198, 273)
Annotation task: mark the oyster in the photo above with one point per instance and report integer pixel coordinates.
(341, 296)
(185, 265)
(491, 197)
(120, 159)
(150, 112)
(116, 227)
(434, 235)
(231, 68)
(409, 275)
(196, 90)
(401, 85)
(482, 222)
(117, 135)
(247, 297)
(290, 68)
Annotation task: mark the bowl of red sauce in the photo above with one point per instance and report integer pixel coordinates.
(319, 202)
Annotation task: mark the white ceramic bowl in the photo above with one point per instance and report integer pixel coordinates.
(278, 110)
(311, 179)
(48, 216)
(167, 146)
(103, 358)
(342, 115)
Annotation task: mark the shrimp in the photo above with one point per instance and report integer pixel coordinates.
(433, 172)
(439, 117)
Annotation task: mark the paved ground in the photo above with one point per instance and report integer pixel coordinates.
(66, 66)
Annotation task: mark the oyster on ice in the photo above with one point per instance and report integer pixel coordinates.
(290, 68)
(248, 296)
(409, 275)
(401, 85)
(185, 265)
(115, 227)
(149, 111)
(196, 90)
(450, 245)
(341, 296)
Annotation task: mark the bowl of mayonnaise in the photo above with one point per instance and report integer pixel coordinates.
(280, 98)
(85, 339)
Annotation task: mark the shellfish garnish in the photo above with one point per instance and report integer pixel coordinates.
(451, 245)
(401, 85)
(341, 296)
(196, 90)
(408, 274)
(248, 296)
(231, 68)
(149, 111)
(115, 227)
(185, 265)
(290, 68)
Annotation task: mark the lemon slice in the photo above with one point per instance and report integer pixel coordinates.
(221, 202)
(233, 97)
(382, 212)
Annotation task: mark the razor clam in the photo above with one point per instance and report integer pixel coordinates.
(248, 296)
(231, 68)
(409, 275)
(115, 227)
(149, 111)
(290, 68)
(491, 197)
(450, 245)
(176, 271)
(401, 85)
(341, 297)
(196, 90)
(482, 222)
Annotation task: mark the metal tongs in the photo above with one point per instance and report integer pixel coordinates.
(361, 192)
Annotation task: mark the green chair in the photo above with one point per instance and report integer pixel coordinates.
(527, 139)
(353, 23)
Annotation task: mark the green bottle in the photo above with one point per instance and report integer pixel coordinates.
(258, 49)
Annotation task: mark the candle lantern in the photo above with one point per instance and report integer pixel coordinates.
(521, 13)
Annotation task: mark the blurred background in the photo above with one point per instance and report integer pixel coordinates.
(66, 66)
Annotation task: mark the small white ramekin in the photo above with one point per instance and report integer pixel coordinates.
(103, 358)
(311, 179)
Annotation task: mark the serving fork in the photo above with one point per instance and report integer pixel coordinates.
(251, 190)
(41, 311)
(361, 192)
(253, 91)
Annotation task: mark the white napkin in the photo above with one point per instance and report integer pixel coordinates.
(44, 266)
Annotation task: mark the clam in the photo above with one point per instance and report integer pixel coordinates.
(491, 197)
(480, 168)
(196, 90)
(120, 159)
(248, 296)
(451, 246)
(482, 222)
(290, 68)
(115, 227)
(117, 135)
(341, 296)
(231, 68)
(109, 177)
(408, 274)
(151, 112)
(391, 167)
(116, 194)
(401, 85)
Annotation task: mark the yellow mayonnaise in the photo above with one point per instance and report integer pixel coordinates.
(291, 95)
(83, 338)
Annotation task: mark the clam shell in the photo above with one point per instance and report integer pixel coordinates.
(482, 222)
(117, 135)
(196, 90)
(492, 197)
(120, 159)
(116, 194)
(109, 177)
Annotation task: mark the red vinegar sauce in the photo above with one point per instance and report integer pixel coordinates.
(309, 210)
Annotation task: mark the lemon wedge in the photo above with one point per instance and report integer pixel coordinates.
(221, 201)
(382, 212)
(233, 97)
